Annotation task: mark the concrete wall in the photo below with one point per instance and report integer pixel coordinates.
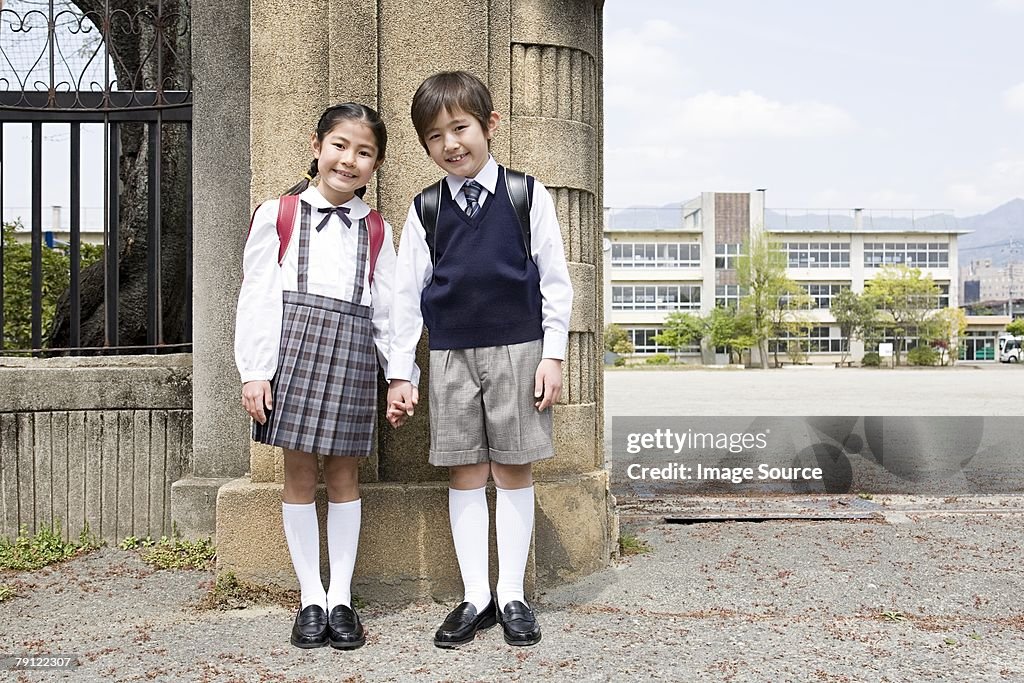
(94, 442)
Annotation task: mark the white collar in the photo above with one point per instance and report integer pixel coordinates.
(356, 206)
(487, 177)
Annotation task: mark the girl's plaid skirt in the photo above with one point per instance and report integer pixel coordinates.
(325, 388)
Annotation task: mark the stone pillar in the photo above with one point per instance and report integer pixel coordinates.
(542, 62)
(220, 191)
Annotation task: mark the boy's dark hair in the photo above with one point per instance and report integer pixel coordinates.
(450, 90)
(332, 116)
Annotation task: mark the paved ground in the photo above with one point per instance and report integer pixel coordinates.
(916, 590)
(922, 597)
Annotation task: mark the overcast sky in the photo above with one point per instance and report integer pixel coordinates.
(875, 103)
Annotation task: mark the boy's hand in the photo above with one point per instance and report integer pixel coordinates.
(402, 400)
(547, 385)
(256, 395)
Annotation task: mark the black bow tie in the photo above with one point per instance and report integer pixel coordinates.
(342, 212)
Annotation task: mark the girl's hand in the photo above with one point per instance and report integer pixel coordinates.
(547, 384)
(256, 395)
(402, 400)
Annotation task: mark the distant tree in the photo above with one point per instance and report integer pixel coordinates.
(761, 271)
(1016, 328)
(949, 326)
(855, 316)
(788, 320)
(729, 328)
(616, 340)
(904, 300)
(681, 329)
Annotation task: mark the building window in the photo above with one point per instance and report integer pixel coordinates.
(913, 254)
(725, 256)
(643, 341)
(655, 255)
(818, 339)
(821, 294)
(728, 295)
(817, 254)
(655, 297)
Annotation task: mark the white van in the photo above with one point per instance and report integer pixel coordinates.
(1010, 348)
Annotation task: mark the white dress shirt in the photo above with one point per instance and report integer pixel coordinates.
(331, 272)
(415, 271)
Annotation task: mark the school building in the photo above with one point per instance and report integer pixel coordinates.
(660, 260)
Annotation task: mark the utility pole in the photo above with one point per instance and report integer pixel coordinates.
(1013, 248)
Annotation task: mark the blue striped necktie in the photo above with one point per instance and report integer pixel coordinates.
(471, 189)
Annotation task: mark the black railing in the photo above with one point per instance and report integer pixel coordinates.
(120, 68)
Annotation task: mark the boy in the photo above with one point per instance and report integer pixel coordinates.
(497, 311)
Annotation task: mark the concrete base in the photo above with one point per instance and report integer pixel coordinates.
(193, 507)
(405, 546)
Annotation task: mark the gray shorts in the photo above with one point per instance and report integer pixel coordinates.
(482, 406)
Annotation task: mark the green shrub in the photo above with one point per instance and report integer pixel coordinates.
(923, 355)
(17, 284)
(871, 359)
(620, 362)
(659, 359)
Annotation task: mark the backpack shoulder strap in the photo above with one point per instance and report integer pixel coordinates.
(428, 208)
(375, 226)
(520, 193)
(287, 207)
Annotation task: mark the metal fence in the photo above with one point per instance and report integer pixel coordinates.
(94, 63)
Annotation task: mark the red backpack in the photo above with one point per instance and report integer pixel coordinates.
(288, 206)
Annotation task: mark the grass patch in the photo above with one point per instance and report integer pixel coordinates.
(228, 592)
(631, 545)
(45, 548)
(6, 592)
(173, 552)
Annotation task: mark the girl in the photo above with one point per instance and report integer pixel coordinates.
(304, 345)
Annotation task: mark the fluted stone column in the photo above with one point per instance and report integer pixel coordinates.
(542, 62)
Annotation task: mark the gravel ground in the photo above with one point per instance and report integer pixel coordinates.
(771, 601)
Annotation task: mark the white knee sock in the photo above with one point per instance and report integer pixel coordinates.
(302, 530)
(513, 522)
(470, 522)
(343, 521)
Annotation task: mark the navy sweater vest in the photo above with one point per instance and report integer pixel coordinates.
(486, 289)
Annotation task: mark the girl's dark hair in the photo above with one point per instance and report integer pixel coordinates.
(450, 90)
(332, 116)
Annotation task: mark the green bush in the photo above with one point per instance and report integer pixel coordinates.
(659, 359)
(871, 359)
(620, 362)
(923, 355)
(17, 285)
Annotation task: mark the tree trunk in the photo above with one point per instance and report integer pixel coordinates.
(135, 64)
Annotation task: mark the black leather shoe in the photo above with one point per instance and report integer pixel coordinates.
(310, 629)
(519, 624)
(461, 625)
(344, 631)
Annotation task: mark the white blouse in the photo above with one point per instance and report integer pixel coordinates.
(331, 272)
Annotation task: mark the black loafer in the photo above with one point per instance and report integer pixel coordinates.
(345, 632)
(519, 624)
(462, 623)
(310, 629)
